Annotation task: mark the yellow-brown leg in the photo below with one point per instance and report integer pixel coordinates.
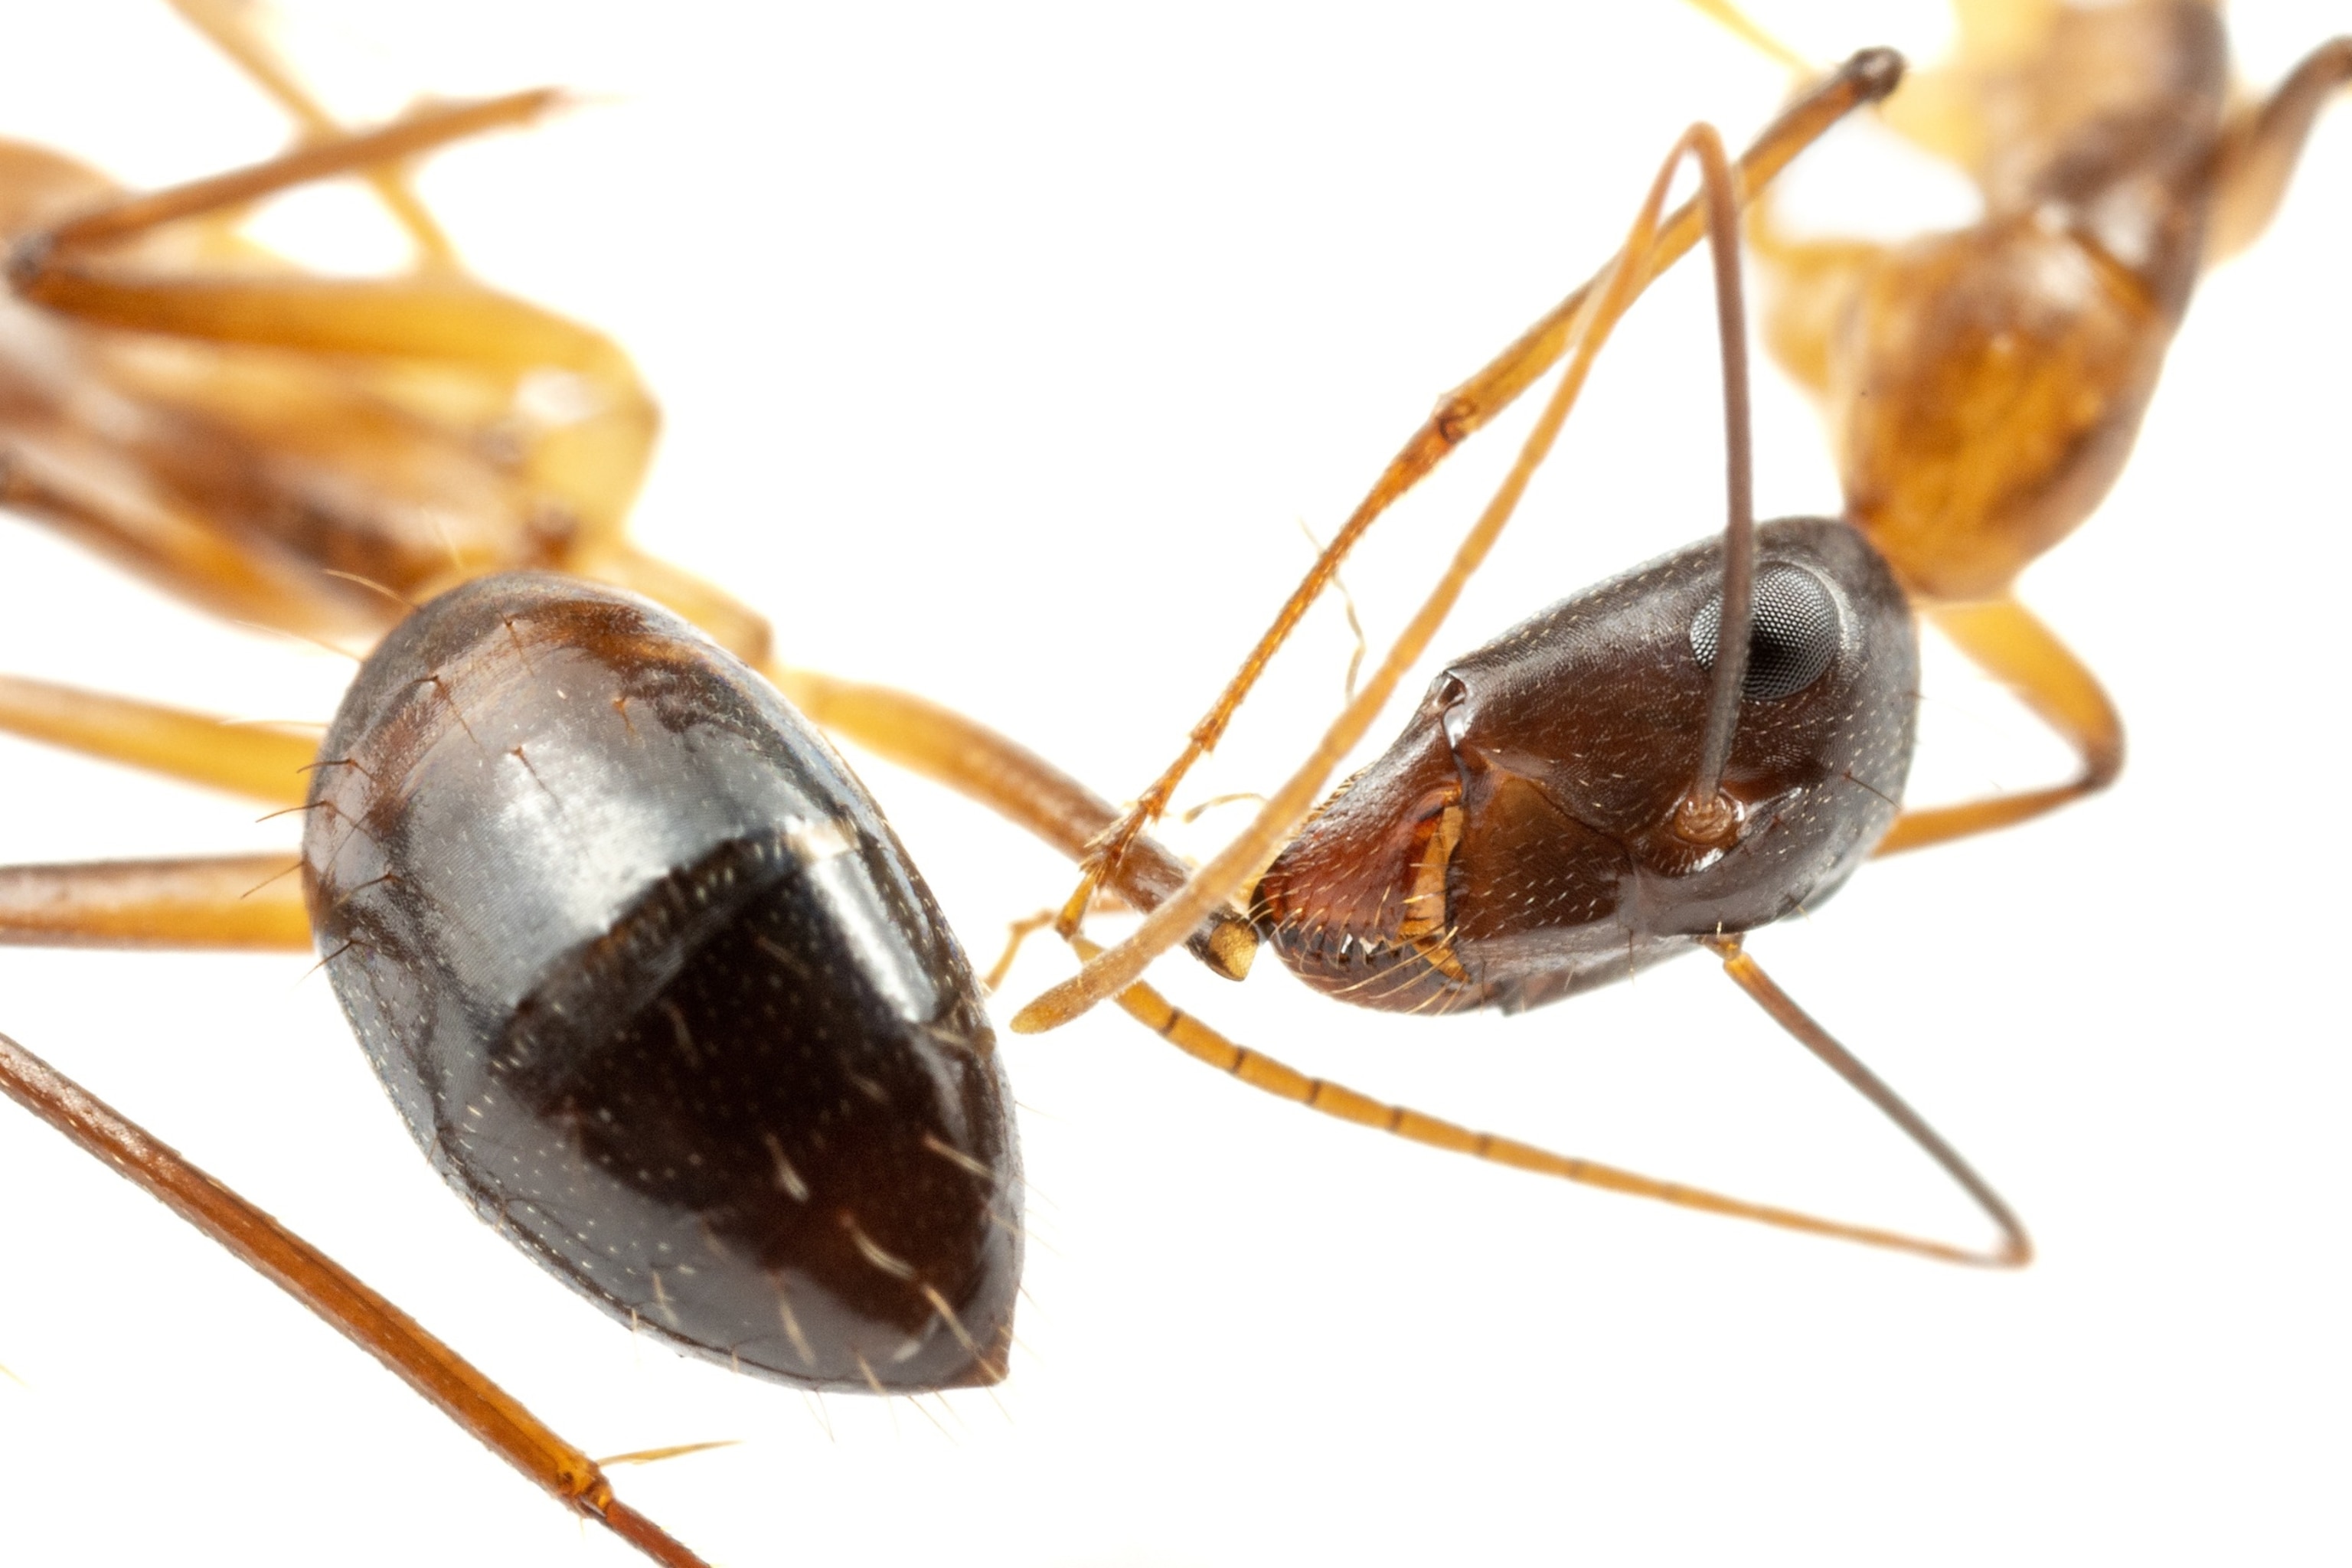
(457, 323)
(234, 27)
(271, 764)
(264, 761)
(223, 901)
(1736, 22)
(1017, 785)
(243, 901)
(1462, 412)
(452, 1385)
(1201, 1043)
(409, 137)
(594, 464)
(76, 480)
(2005, 639)
(2260, 150)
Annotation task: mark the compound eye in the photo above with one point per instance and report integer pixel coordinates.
(1792, 635)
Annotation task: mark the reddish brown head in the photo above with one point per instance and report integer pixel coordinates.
(1521, 839)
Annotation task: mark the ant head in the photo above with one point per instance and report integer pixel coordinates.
(1531, 831)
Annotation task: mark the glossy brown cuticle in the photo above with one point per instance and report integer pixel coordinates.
(658, 991)
(1511, 848)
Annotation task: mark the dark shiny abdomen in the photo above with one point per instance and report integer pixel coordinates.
(656, 990)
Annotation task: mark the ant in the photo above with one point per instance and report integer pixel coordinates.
(62, 263)
(244, 435)
(1983, 386)
(1997, 636)
(1323, 1324)
(391, 895)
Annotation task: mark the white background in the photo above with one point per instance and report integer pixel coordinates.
(1004, 349)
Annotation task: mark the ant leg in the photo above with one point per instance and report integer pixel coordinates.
(1017, 933)
(1248, 854)
(408, 137)
(2261, 146)
(442, 320)
(272, 764)
(1869, 76)
(164, 541)
(168, 535)
(1197, 1040)
(592, 462)
(88, 488)
(225, 901)
(264, 762)
(1736, 22)
(245, 901)
(1015, 783)
(2008, 642)
(233, 27)
(459, 1389)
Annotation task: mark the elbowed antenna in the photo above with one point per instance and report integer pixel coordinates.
(1703, 816)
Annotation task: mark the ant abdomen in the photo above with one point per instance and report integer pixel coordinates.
(1519, 842)
(657, 990)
